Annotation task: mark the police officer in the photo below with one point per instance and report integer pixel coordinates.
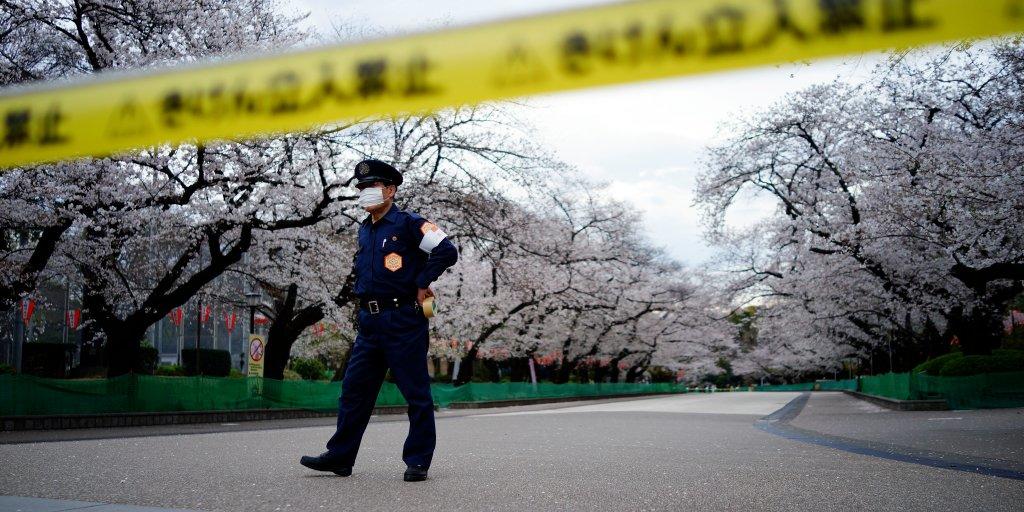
(400, 254)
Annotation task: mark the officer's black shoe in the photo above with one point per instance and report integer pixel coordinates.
(323, 462)
(415, 473)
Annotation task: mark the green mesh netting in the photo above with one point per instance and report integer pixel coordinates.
(803, 386)
(25, 395)
(837, 385)
(890, 385)
(985, 391)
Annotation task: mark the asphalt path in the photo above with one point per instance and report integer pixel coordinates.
(683, 452)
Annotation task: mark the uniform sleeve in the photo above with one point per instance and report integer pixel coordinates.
(441, 251)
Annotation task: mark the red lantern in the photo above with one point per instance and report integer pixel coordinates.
(318, 329)
(955, 342)
(230, 320)
(261, 320)
(177, 315)
(73, 318)
(207, 311)
(28, 306)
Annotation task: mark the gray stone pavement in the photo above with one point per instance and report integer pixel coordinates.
(692, 452)
(23, 504)
(996, 434)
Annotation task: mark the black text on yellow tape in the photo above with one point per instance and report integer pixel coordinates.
(596, 46)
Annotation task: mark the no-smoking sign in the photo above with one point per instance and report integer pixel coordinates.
(256, 349)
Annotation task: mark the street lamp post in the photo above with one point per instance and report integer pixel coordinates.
(253, 299)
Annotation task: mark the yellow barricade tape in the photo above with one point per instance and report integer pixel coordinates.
(610, 44)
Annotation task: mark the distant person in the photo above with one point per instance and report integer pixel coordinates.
(400, 254)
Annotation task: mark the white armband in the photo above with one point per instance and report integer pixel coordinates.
(432, 236)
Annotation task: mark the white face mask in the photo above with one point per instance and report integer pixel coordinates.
(371, 196)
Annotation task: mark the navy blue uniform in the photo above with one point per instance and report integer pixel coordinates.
(398, 254)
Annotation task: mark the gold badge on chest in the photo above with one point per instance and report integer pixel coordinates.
(393, 261)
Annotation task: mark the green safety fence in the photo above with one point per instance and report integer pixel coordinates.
(837, 385)
(802, 386)
(26, 395)
(823, 385)
(889, 385)
(984, 391)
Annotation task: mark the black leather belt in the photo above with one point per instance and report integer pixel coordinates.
(375, 304)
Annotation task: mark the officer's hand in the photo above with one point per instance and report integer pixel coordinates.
(423, 293)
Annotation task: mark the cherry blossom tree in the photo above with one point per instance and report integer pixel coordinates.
(899, 206)
(199, 203)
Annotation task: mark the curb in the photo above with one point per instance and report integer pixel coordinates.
(530, 401)
(778, 423)
(143, 419)
(901, 405)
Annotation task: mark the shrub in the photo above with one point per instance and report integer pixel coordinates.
(309, 369)
(1016, 341)
(6, 369)
(147, 361)
(171, 370)
(934, 366)
(236, 373)
(291, 375)
(661, 374)
(46, 359)
(88, 372)
(149, 357)
(999, 361)
(212, 362)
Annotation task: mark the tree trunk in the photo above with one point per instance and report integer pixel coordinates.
(563, 372)
(613, 370)
(122, 348)
(466, 367)
(582, 374)
(280, 339)
(633, 373)
(288, 323)
(492, 370)
(520, 369)
(979, 329)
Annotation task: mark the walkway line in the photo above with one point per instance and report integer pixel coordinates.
(777, 423)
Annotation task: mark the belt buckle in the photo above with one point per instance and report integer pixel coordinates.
(374, 307)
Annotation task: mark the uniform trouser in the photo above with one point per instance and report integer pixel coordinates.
(395, 338)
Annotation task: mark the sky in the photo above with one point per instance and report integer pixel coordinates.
(645, 140)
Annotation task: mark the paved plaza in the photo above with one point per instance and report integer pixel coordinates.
(724, 451)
